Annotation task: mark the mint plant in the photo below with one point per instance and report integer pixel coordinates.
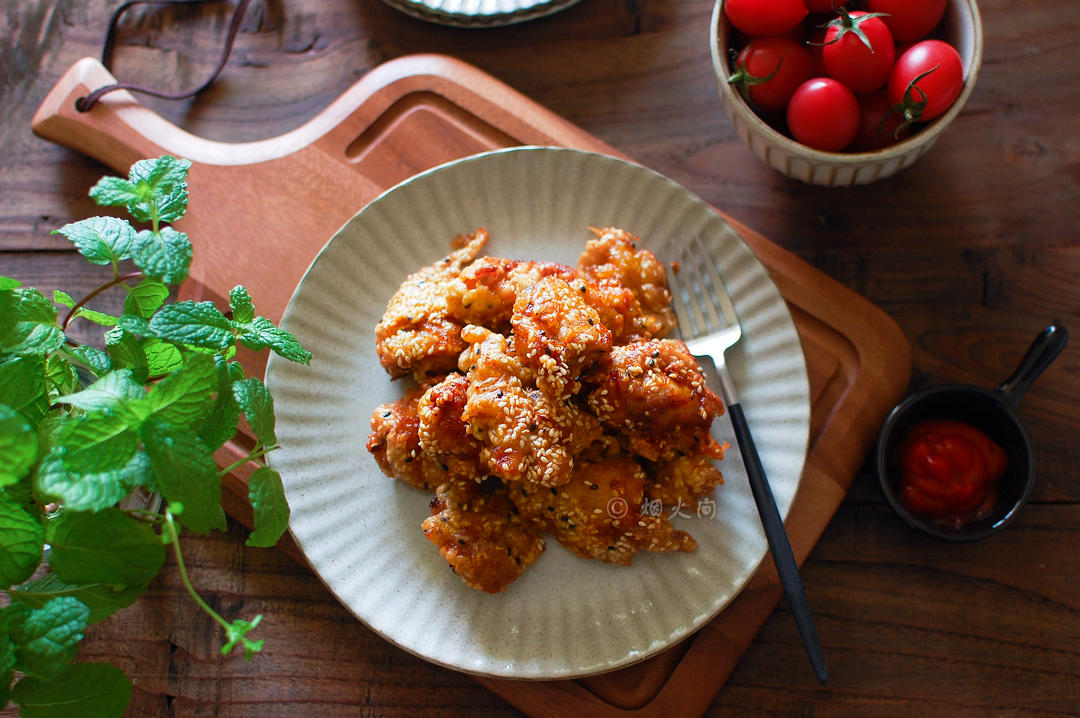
(84, 428)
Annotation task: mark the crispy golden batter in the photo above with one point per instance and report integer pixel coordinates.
(556, 335)
(683, 480)
(479, 533)
(600, 513)
(526, 434)
(416, 334)
(613, 256)
(395, 443)
(655, 394)
(443, 435)
(485, 292)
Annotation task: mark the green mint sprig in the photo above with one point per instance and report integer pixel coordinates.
(84, 426)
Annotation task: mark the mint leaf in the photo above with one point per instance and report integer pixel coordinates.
(7, 665)
(22, 539)
(89, 490)
(97, 442)
(253, 397)
(106, 547)
(236, 632)
(115, 390)
(242, 307)
(32, 325)
(267, 497)
(221, 423)
(125, 350)
(198, 324)
(161, 356)
(185, 472)
(163, 182)
(60, 376)
(94, 359)
(155, 191)
(23, 387)
(146, 297)
(115, 192)
(86, 690)
(184, 397)
(102, 240)
(46, 638)
(18, 446)
(261, 333)
(8, 283)
(164, 255)
(103, 601)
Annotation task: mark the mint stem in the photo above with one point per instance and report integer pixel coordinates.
(89, 297)
(256, 453)
(174, 537)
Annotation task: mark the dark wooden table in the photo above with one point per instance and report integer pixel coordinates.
(971, 251)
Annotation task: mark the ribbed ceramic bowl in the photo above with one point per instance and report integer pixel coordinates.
(961, 27)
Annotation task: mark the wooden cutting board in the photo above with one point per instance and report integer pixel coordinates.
(411, 114)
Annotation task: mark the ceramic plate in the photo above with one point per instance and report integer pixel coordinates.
(479, 13)
(565, 616)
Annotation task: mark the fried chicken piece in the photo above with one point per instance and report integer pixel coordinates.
(655, 394)
(485, 292)
(480, 534)
(526, 434)
(602, 513)
(444, 436)
(395, 443)
(686, 478)
(613, 256)
(557, 334)
(416, 334)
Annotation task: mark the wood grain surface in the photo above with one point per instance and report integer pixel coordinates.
(971, 251)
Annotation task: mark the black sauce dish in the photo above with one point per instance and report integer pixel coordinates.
(994, 412)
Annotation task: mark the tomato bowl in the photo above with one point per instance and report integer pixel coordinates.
(960, 27)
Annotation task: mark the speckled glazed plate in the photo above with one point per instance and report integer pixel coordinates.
(479, 13)
(565, 616)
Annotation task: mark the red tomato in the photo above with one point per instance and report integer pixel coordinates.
(926, 80)
(909, 20)
(823, 114)
(764, 17)
(879, 124)
(769, 69)
(859, 51)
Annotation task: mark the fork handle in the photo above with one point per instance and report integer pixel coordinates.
(779, 544)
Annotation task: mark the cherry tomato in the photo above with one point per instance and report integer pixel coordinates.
(823, 114)
(859, 51)
(909, 20)
(764, 17)
(769, 69)
(926, 80)
(879, 123)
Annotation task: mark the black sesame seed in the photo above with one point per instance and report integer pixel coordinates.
(554, 492)
(593, 487)
(518, 559)
(461, 541)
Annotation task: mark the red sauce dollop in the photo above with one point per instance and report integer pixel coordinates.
(949, 470)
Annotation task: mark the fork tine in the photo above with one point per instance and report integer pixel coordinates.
(686, 329)
(719, 288)
(691, 292)
(703, 294)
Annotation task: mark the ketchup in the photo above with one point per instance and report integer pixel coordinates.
(949, 470)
